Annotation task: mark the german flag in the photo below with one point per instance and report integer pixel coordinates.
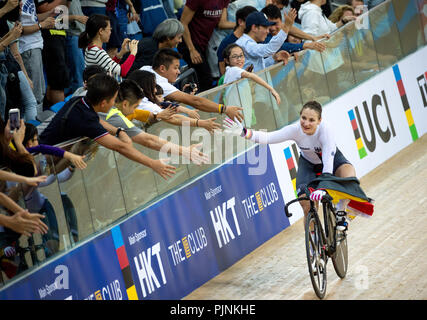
(124, 263)
(405, 102)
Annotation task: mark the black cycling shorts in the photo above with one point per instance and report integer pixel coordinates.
(308, 171)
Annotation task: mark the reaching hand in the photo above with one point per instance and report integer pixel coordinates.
(209, 124)
(317, 195)
(34, 181)
(163, 169)
(166, 114)
(233, 112)
(75, 159)
(289, 19)
(27, 223)
(194, 154)
(276, 96)
(318, 46)
(234, 127)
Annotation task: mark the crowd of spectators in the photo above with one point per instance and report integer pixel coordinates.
(113, 65)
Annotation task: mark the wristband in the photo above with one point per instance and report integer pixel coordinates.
(118, 131)
(197, 122)
(220, 108)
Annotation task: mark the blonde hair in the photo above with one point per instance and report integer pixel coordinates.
(337, 14)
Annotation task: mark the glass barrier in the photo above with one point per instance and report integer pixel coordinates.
(79, 203)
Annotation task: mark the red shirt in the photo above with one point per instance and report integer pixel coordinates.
(205, 19)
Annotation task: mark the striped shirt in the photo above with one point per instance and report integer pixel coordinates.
(98, 56)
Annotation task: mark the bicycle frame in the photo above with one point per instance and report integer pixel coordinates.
(327, 205)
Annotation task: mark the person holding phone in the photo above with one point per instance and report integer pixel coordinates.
(98, 31)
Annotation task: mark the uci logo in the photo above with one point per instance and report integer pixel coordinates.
(377, 122)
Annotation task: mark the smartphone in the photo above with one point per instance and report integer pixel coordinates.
(250, 68)
(14, 119)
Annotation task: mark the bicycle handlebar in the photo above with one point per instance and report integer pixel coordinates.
(326, 198)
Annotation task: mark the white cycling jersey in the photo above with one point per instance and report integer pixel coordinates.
(317, 148)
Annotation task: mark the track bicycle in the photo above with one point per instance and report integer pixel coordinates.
(323, 242)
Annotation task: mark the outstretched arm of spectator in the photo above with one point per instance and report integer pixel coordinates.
(112, 130)
(186, 17)
(22, 221)
(159, 166)
(204, 104)
(11, 36)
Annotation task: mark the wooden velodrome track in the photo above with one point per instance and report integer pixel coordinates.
(387, 256)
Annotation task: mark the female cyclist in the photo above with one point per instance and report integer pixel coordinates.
(319, 153)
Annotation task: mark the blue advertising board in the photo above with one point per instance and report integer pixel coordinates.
(172, 247)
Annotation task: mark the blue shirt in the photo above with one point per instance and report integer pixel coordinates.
(231, 38)
(287, 46)
(256, 52)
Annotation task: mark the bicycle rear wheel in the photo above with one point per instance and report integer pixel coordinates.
(340, 256)
(316, 255)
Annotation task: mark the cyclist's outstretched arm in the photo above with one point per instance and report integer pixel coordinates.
(263, 137)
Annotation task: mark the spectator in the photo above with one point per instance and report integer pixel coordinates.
(97, 32)
(200, 17)
(78, 117)
(31, 45)
(234, 58)
(147, 81)
(152, 13)
(168, 34)
(256, 32)
(88, 73)
(339, 13)
(273, 15)
(57, 73)
(128, 98)
(75, 58)
(166, 69)
(373, 3)
(117, 37)
(355, 3)
(314, 22)
(20, 220)
(239, 29)
(90, 7)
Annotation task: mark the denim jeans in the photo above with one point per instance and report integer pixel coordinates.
(29, 102)
(33, 63)
(75, 62)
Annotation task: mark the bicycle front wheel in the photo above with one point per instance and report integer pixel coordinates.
(340, 256)
(316, 255)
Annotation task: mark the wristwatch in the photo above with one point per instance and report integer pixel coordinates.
(118, 131)
(40, 26)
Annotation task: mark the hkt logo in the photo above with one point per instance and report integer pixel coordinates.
(405, 103)
(221, 223)
(291, 164)
(371, 118)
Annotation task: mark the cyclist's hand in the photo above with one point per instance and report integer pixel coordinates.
(317, 195)
(233, 127)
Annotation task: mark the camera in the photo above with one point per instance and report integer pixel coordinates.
(190, 88)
